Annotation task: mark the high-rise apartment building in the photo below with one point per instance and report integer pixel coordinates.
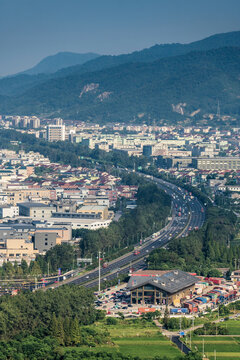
(56, 132)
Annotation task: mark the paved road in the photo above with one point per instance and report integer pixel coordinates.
(187, 214)
(183, 347)
(174, 337)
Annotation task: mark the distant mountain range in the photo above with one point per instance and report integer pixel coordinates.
(44, 70)
(165, 82)
(53, 63)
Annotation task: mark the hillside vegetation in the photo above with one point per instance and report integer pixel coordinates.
(171, 88)
(204, 250)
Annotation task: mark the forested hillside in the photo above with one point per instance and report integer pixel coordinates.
(64, 63)
(203, 250)
(153, 206)
(168, 89)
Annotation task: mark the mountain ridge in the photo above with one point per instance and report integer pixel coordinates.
(60, 60)
(170, 88)
(156, 52)
(17, 85)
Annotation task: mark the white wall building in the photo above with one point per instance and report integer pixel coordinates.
(56, 132)
(8, 211)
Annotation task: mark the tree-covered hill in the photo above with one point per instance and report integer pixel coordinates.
(17, 84)
(156, 52)
(65, 64)
(204, 250)
(171, 88)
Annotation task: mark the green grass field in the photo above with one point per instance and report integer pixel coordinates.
(130, 329)
(136, 338)
(233, 326)
(227, 347)
(147, 347)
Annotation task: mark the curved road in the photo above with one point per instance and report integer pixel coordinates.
(187, 214)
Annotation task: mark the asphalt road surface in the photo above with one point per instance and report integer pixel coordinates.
(187, 214)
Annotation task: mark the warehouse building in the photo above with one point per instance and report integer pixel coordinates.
(166, 289)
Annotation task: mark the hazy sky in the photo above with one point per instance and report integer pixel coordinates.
(33, 29)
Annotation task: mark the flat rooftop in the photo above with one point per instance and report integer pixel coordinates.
(92, 208)
(33, 205)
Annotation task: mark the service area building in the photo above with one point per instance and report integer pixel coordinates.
(166, 289)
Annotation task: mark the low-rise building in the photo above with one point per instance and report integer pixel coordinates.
(166, 289)
(8, 211)
(235, 276)
(12, 249)
(217, 163)
(16, 196)
(97, 211)
(36, 210)
(81, 223)
(46, 238)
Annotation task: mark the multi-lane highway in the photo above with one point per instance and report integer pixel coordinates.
(187, 214)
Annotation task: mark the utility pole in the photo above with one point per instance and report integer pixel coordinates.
(215, 355)
(203, 348)
(48, 268)
(99, 272)
(191, 333)
(180, 326)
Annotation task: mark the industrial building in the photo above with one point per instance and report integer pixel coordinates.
(166, 289)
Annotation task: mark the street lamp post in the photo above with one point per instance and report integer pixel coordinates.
(99, 272)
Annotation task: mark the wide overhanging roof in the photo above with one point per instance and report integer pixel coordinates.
(171, 282)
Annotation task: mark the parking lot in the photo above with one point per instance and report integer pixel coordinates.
(115, 299)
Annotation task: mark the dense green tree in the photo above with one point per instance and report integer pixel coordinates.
(24, 266)
(201, 251)
(75, 331)
(153, 205)
(67, 331)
